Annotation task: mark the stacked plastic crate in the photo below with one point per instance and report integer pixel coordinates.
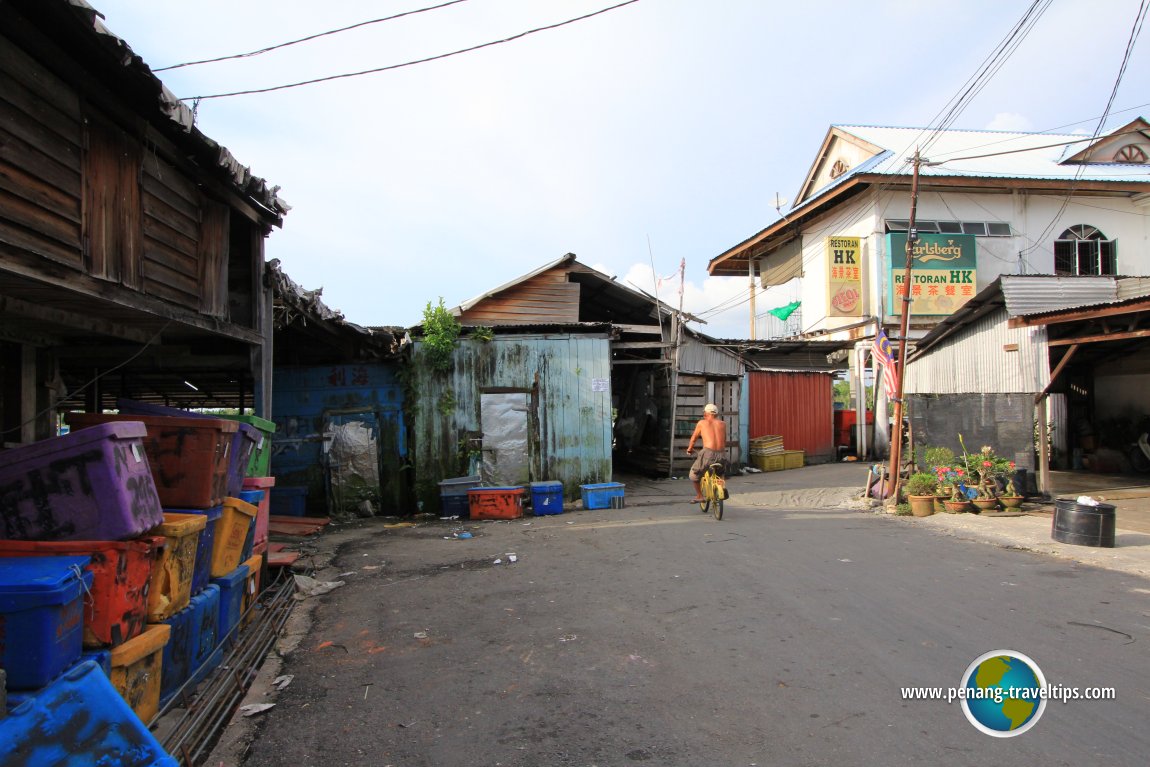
(80, 540)
(236, 567)
(215, 453)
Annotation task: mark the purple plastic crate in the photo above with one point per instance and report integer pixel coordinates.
(93, 484)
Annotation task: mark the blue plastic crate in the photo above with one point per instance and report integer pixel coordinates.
(41, 617)
(191, 651)
(289, 501)
(454, 506)
(254, 497)
(599, 496)
(102, 657)
(546, 498)
(231, 604)
(87, 723)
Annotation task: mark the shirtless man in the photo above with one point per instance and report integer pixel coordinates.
(713, 432)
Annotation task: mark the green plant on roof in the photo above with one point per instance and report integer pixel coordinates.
(440, 336)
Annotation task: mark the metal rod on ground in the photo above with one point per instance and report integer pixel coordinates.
(247, 658)
(195, 734)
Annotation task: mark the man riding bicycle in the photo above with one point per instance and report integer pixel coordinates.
(713, 433)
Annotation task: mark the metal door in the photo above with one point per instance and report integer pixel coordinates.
(504, 420)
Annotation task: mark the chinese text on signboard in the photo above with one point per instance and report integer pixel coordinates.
(942, 276)
(844, 271)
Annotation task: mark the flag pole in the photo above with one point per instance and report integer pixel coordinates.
(904, 323)
(676, 339)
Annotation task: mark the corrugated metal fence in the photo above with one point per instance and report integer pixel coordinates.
(796, 405)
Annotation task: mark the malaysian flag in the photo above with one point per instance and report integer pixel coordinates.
(882, 353)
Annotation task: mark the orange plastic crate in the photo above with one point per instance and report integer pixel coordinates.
(252, 588)
(116, 610)
(495, 502)
(136, 670)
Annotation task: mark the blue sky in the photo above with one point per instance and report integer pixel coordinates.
(659, 131)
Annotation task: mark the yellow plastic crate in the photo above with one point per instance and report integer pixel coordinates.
(793, 459)
(251, 587)
(769, 462)
(231, 532)
(136, 669)
(170, 587)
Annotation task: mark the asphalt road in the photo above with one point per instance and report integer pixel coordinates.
(658, 635)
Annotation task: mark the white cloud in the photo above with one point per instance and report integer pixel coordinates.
(1009, 121)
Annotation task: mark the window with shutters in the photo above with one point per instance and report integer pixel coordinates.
(1084, 249)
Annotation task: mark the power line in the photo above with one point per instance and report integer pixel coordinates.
(999, 56)
(1135, 30)
(306, 39)
(412, 63)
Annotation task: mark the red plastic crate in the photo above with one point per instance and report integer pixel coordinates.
(495, 502)
(116, 609)
(264, 508)
(189, 457)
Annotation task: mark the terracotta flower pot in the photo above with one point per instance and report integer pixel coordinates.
(1011, 501)
(958, 507)
(921, 505)
(985, 504)
(940, 504)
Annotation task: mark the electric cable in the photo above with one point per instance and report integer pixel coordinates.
(277, 46)
(390, 67)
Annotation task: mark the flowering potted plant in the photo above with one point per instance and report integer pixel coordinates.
(1010, 497)
(938, 460)
(955, 478)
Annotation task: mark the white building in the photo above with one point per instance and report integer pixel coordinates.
(988, 204)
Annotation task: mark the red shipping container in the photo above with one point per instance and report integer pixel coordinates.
(116, 609)
(188, 456)
(495, 502)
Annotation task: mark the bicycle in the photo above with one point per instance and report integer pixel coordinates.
(713, 487)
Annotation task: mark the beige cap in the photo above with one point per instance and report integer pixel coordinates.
(710, 408)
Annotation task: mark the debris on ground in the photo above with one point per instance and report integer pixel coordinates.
(307, 586)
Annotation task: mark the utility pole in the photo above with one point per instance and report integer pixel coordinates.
(751, 276)
(911, 238)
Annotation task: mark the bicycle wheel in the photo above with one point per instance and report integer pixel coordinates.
(705, 488)
(717, 501)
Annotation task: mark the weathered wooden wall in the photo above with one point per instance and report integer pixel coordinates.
(544, 298)
(80, 189)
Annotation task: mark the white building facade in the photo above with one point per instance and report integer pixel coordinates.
(987, 204)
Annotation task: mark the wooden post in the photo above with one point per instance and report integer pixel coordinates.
(911, 237)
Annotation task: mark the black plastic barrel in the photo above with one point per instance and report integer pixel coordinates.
(1082, 524)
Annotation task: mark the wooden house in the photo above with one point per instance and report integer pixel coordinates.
(593, 375)
(131, 244)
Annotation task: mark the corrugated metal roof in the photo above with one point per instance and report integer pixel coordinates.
(1133, 287)
(993, 154)
(1038, 294)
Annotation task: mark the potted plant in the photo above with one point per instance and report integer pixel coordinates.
(920, 490)
(954, 478)
(939, 461)
(1010, 498)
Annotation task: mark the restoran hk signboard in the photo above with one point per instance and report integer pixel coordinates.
(942, 273)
